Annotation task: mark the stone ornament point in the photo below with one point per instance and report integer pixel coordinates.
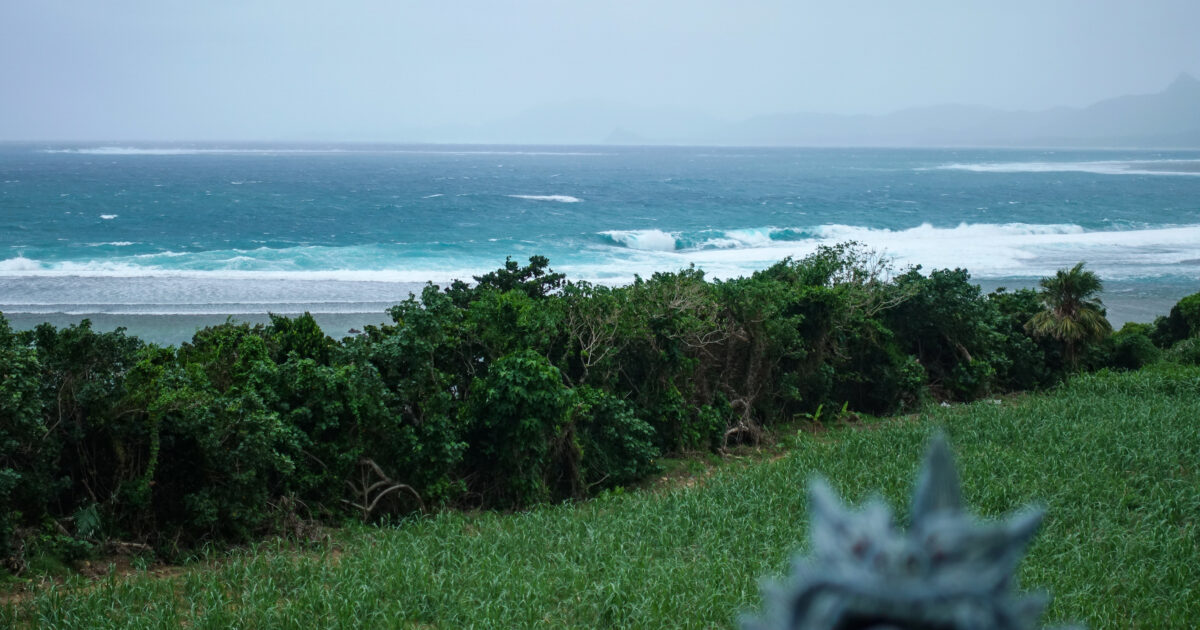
(948, 571)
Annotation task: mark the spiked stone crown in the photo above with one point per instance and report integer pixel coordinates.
(948, 571)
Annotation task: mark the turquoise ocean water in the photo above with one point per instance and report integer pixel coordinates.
(128, 234)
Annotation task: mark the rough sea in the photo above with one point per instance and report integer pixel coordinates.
(164, 238)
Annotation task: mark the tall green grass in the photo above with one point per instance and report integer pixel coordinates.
(1113, 457)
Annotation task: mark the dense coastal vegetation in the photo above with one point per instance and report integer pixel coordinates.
(519, 389)
(1111, 456)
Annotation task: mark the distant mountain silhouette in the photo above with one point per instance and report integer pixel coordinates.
(1168, 119)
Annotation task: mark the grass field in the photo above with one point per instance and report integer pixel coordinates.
(1113, 457)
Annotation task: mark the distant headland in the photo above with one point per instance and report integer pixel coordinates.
(1167, 119)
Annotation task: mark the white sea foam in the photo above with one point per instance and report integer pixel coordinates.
(1101, 167)
(558, 198)
(658, 240)
(182, 151)
(987, 250)
(19, 265)
(108, 217)
(433, 196)
(470, 152)
(654, 240)
(750, 237)
(272, 151)
(24, 267)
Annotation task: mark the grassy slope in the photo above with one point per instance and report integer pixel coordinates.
(1113, 457)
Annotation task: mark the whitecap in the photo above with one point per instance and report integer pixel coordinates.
(1099, 167)
(19, 264)
(182, 151)
(656, 240)
(558, 198)
(985, 249)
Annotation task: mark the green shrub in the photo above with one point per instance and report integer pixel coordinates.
(519, 389)
(224, 452)
(873, 375)
(1186, 352)
(348, 422)
(517, 449)
(946, 323)
(501, 323)
(98, 434)
(1131, 347)
(1182, 322)
(661, 328)
(301, 336)
(1029, 362)
(616, 446)
(27, 475)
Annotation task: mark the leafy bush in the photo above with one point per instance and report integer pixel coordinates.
(875, 375)
(946, 323)
(301, 336)
(1182, 322)
(517, 389)
(95, 435)
(1131, 347)
(1186, 352)
(616, 446)
(517, 446)
(1030, 362)
(665, 329)
(224, 452)
(27, 474)
(350, 416)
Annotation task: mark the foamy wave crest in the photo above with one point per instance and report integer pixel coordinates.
(99, 269)
(558, 198)
(985, 249)
(964, 231)
(658, 240)
(1100, 167)
(479, 152)
(108, 217)
(648, 240)
(19, 265)
(723, 239)
(354, 263)
(274, 151)
(182, 151)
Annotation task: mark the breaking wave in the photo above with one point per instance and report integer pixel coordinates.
(558, 198)
(985, 249)
(658, 240)
(275, 151)
(183, 151)
(1100, 167)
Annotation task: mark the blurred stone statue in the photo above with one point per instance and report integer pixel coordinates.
(948, 571)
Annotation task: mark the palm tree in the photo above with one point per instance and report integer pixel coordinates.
(1073, 314)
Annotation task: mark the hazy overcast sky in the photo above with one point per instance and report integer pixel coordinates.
(356, 70)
